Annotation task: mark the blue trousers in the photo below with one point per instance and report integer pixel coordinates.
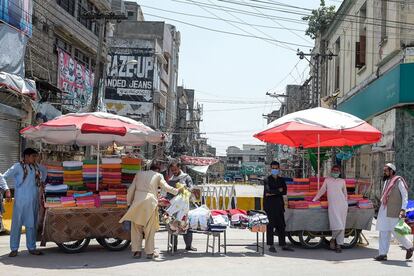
(15, 234)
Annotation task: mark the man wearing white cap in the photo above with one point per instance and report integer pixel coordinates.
(394, 201)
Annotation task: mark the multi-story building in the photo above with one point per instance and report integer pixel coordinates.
(246, 163)
(142, 71)
(62, 52)
(372, 69)
(187, 139)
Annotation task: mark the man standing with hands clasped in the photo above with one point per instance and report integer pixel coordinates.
(394, 201)
(274, 190)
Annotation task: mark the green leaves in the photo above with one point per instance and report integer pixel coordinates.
(319, 20)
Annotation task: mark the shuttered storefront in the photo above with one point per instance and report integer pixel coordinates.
(9, 143)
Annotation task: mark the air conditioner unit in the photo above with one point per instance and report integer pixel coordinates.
(118, 7)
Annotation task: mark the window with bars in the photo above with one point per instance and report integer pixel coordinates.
(85, 6)
(63, 45)
(67, 5)
(82, 58)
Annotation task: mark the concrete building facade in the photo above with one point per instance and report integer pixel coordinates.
(372, 72)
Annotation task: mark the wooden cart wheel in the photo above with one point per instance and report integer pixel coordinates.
(291, 238)
(310, 239)
(113, 244)
(351, 238)
(73, 247)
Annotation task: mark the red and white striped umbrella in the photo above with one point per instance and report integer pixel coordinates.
(97, 128)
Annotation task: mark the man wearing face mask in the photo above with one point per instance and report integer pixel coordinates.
(394, 202)
(338, 206)
(274, 190)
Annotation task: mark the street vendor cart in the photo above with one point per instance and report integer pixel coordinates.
(73, 228)
(310, 228)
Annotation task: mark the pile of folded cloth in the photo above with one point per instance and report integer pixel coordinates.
(298, 185)
(107, 199)
(68, 201)
(350, 185)
(90, 173)
(294, 196)
(72, 174)
(324, 204)
(53, 202)
(238, 218)
(56, 190)
(111, 173)
(353, 199)
(314, 205)
(298, 205)
(218, 221)
(258, 221)
(313, 183)
(365, 204)
(130, 167)
(198, 218)
(85, 200)
(118, 190)
(121, 200)
(54, 173)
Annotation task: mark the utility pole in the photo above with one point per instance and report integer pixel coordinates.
(101, 18)
(318, 58)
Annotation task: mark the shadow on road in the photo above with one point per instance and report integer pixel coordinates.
(97, 257)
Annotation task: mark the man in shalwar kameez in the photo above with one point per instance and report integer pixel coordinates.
(338, 206)
(27, 178)
(143, 211)
(394, 202)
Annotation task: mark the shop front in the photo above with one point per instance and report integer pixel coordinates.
(388, 104)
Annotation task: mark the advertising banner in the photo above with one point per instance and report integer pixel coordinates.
(17, 13)
(76, 82)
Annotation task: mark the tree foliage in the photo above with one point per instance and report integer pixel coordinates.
(319, 20)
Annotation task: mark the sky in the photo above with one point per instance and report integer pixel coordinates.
(232, 74)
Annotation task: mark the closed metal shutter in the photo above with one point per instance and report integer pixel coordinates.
(9, 143)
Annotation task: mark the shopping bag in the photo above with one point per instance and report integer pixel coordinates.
(402, 228)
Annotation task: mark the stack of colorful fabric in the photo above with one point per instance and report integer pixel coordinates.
(299, 185)
(89, 172)
(298, 204)
(292, 196)
(314, 205)
(130, 167)
(365, 204)
(54, 173)
(324, 204)
(72, 174)
(111, 173)
(53, 202)
(108, 199)
(350, 185)
(68, 201)
(56, 190)
(313, 183)
(121, 200)
(85, 200)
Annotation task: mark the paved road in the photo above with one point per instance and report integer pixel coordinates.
(239, 261)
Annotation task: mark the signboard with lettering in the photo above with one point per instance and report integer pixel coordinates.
(129, 83)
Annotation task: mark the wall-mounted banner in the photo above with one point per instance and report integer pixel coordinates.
(137, 110)
(17, 13)
(75, 81)
(130, 75)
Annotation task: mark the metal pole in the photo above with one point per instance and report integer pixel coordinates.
(317, 80)
(95, 95)
(97, 168)
(319, 161)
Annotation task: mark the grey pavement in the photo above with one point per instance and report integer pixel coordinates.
(239, 260)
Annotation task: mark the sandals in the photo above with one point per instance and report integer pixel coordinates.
(13, 254)
(152, 256)
(36, 252)
(137, 255)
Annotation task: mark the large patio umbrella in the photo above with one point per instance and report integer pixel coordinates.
(93, 129)
(319, 127)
